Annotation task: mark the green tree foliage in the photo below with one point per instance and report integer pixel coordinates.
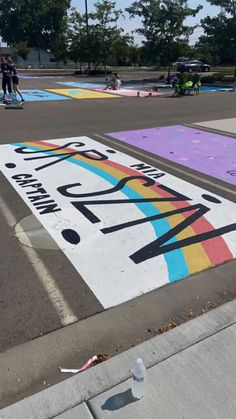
(134, 55)
(84, 45)
(229, 6)
(76, 37)
(163, 26)
(104, 43)
(35, 22)
(219, 39)
(22, 50)
(109, 37)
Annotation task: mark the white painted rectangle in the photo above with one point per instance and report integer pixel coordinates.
(113, 263)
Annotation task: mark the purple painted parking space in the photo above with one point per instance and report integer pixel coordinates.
(206, 152)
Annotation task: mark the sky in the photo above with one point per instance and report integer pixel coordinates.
(130, 25)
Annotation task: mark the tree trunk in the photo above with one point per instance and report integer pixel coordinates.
(169, 61)
(39, 57)
(105, 66)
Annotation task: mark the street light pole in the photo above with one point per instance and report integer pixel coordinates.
(86, 16)
(87, 30)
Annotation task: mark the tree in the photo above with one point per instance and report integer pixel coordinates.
(59, 45)
(75, 38)
(220, 32)
(107, 17)
(228, 6)
(22, 50)
(103, 42)
(163, 26)
(134, 54)
(35, 22)
(120, 47)
(84, 43)
(204, 51)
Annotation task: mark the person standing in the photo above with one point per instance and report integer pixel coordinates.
(117, 82)
(6, 77)
(15, 79)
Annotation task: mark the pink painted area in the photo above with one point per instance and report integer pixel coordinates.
(128, 92)
(206, 152)
(216, 248)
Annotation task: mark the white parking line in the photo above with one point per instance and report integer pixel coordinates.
(168, 166)
(57, 299)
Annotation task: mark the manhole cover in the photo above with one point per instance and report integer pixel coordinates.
(31, 233)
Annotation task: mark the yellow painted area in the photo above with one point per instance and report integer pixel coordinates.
(83, 94)
(194, 255)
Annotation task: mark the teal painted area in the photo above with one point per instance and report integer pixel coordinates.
(31, 95)
(215, 88)
(41, 95)
(83, 85)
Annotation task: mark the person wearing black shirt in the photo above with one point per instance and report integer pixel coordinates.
(15, 79)
(6, 77)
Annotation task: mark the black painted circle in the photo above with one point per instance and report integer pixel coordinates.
(211, 199)
(111, 151)
(10, 165)
(71, 236)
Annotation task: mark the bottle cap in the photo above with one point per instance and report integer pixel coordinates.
(139, 361)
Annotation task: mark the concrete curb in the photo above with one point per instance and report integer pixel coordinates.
(82, 387)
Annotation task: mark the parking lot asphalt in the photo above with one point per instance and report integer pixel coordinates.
(29, 321)
(60, 119)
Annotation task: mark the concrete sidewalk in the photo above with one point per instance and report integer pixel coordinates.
(191, 374)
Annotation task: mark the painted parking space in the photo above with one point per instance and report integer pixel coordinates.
(27, 76)
(83, 85)
(93, 86)
(130, 92)
(216, 88)
(206, 152)
(92, 199)
(99, 87)
(226, 125)
(82, 94)
(40, 95)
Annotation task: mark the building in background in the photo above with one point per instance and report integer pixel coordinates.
(47, 59)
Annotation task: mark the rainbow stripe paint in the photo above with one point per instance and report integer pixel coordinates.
(132, 228)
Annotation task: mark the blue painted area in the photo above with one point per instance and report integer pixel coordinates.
(216, 88)
(177, 267)
(79, 91)
(83, 85)
(41, 95)
(26, 76)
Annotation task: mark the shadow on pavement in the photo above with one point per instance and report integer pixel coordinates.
(119, 400)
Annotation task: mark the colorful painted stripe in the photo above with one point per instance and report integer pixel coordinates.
(180, 262)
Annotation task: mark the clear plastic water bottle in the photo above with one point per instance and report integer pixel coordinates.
(139, 376)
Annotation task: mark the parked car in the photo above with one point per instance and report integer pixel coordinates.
(176, 63)
(193, 65)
